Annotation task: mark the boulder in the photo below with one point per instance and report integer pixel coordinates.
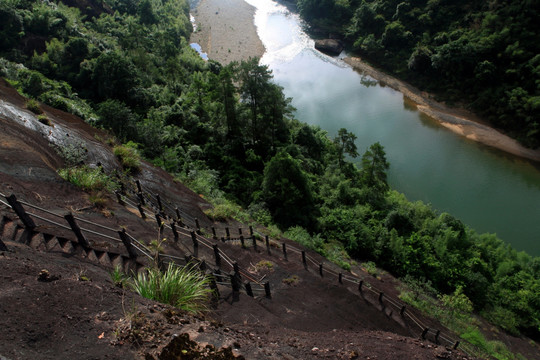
(329, 46)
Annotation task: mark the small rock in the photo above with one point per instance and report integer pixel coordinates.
(45, 276)
(315, 349)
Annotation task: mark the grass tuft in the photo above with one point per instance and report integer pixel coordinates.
(88, 179)
(33, 106)
(129, 157)
(118, 277)
(185, 288)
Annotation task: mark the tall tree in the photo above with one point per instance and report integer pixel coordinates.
(255, 83)
(373, 173)
(287, 192)
(345, 145)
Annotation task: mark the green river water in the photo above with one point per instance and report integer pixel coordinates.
(485, 188)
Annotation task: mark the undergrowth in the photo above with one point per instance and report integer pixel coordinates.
(88, 179)
(455, 312)
(333, 250)
(128, 156)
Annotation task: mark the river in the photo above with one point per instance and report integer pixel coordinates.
(487, 189)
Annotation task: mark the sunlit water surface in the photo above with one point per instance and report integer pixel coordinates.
(485, 188)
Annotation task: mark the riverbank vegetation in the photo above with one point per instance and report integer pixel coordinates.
(483, 54)
(229, 133)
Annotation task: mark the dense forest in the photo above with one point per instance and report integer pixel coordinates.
(484, 54)
(228, 132)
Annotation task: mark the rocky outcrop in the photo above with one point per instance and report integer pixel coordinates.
(329, 46)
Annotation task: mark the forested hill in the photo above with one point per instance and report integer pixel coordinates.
(483, 53)
(228, 132)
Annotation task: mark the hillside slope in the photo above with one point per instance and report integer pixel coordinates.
(58, 301)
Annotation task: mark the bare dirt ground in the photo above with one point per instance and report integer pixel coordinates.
(58, 301)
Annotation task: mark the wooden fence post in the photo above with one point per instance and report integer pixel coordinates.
(239, 231)
(250, 230)
(437, 336)
(141, 197)
(159, 221)
(254, 242)
(242, 241)
(228, 233)
(284, 246)
(139, 188)
(236, 278)
(402, 311)
(77, 230)
(202, 265)
(321, 269)
(198, 226)
(127, 243)
(175, 232)
(267, 290)
(141, 210)
(119, 197)
(304, 261)
(158, 198)
(340, 278)
(360, 286)
(214, 288)
(267, 244)
(381, 295)
(195, 244)
(249, 291)
(424, 333)
(217, 256)
(456, 345)
(234, 283)
(178, 217)
(21, 213)
(214, 236)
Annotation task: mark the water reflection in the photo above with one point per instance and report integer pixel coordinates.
(487, 189)
(198, 48)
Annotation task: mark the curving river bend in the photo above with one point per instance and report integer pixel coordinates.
(485, 188)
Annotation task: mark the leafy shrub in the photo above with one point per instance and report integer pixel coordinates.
(128, 156)
(260, 214)
(302, 236)
(88, 179)
(185, 288)
(73, 154)
(44, 120)
(371, 268)
(226, 209)
(336, 253)
(33, 106)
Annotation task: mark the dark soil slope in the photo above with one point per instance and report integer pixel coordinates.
(57, 300)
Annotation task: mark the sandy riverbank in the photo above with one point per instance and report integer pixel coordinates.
(457, 120)
(226, 31)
